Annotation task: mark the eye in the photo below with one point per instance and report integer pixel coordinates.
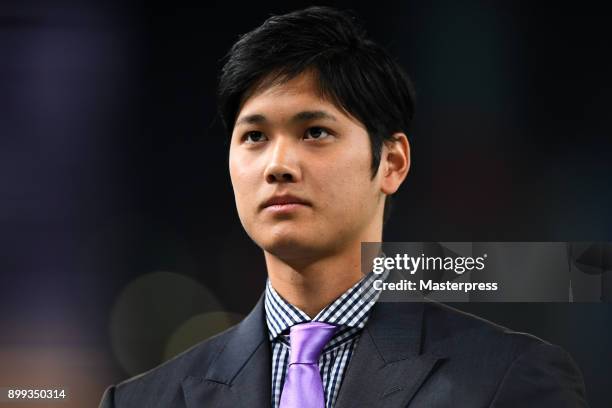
(253, 137)
(317, 133)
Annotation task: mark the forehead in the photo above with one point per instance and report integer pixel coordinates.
(303, 86)
(280, 95)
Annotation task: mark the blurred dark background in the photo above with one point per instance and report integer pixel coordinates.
(119, 241)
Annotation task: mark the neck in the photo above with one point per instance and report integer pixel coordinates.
(312, 284)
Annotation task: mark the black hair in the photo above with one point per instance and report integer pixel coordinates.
(352, 72)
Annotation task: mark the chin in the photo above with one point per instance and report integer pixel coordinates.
(291, 247)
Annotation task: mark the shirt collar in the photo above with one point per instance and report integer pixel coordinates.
(350, 309)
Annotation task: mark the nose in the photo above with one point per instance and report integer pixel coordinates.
(283, 164)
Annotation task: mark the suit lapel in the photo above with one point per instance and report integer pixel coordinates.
(388, 367)
(241, 374)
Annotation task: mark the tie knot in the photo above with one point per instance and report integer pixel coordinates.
(307, 341)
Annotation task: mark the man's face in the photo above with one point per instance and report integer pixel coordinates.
(291, 144)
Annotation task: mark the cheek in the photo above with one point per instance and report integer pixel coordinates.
(240, 186)
(347, 185)
(242, 174)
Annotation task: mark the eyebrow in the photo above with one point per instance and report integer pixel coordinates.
(298, 117)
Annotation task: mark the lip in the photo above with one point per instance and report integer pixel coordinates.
(284, 202)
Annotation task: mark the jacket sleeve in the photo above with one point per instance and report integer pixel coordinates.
(108, 399)
(543, 376)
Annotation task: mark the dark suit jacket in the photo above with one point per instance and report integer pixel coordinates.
(417, 355)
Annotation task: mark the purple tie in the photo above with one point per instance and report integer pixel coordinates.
(303, 387)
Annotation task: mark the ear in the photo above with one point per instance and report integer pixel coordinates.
(394, 163)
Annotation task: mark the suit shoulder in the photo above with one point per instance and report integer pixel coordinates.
(455, 327)
(505, 368)
(164, 381)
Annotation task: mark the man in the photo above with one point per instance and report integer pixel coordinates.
(318, 116)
